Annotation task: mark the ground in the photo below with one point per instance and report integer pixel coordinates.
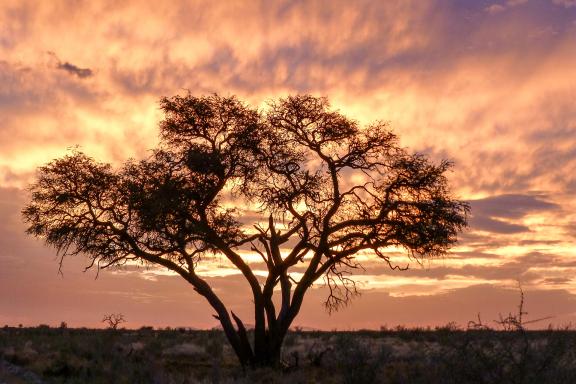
(443, 355)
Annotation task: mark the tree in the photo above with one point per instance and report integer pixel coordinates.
(325, 190)
(113, 320)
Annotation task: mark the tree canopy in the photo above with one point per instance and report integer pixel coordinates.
(323, 189)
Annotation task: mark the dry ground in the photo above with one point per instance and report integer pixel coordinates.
(446, 355)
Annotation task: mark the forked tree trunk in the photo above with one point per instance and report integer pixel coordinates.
(270, 346)
(270, 356)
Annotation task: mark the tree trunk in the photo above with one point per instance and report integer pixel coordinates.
(270, 356)
(269, 352)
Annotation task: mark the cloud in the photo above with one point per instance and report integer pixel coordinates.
(488, 212)
(512, 206)
(537, 258)
(70, 68)
(514, 3)
(493, 92)
(565, 3)
(557, 280)
(495, 8)
(505, 272)
(484, 223)
(77, 71)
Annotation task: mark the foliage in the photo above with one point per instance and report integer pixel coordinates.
(326, 189)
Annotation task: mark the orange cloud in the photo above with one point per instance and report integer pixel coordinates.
(489, 86)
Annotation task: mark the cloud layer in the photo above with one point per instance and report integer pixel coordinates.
(488, 84)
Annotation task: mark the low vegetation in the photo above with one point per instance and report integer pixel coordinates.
(448, 354)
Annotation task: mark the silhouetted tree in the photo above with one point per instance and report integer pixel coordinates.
(113, 320)
(325, 190)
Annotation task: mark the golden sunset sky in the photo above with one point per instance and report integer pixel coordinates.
(490, 85)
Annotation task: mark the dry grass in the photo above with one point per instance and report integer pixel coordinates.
(445, 355)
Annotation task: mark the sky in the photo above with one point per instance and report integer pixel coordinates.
(490, 85)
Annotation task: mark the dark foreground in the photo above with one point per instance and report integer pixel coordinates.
(445, 355)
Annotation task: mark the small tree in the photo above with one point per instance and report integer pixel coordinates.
(113, 320)
(323, 190)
